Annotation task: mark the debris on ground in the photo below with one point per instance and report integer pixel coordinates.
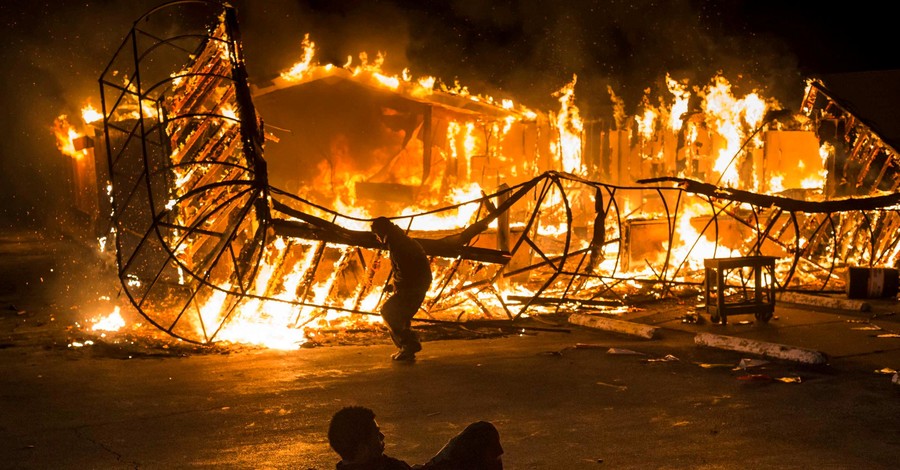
(867, 328)
(693, 318)
(712, 366)
(622, 351)
(748, 363)
(755, 378)
(666, 358)
(769, 378)
(620, 388)
(789, 380)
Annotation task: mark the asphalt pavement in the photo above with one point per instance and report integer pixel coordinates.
(564, 396)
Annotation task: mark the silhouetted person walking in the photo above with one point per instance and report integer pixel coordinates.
(411, 280)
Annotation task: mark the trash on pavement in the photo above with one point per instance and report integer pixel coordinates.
(789, 380)
(867, 328)
(590, 346)
(755, 378)
(666, 358)
(711, 366)
(624, 352)
(748, 363)
(620, 388)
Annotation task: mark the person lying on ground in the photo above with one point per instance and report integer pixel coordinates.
(354, 434)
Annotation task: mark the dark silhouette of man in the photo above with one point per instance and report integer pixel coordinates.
(354, 434)
(410, 282)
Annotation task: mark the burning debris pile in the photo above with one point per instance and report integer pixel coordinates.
(229, 228)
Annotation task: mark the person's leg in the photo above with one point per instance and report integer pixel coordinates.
(409, 340)
(392, 314)
(476, 448)
(398, 313)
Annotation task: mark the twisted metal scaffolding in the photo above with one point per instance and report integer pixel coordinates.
(203, 241)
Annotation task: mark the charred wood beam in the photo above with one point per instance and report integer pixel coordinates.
(343, 236)
(788, 204)
(502, 324)
(564, 300)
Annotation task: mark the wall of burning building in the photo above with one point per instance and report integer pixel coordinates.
(354, 138)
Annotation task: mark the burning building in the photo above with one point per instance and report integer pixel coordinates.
(241, 210)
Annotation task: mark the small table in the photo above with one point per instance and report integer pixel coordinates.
(761, 298)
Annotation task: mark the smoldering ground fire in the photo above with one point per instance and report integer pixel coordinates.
(240, 210)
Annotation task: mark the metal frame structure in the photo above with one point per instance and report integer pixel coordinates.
(202, 239)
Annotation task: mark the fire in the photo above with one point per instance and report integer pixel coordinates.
(680, 106)
(570, 127)
(66, 135)
(90, 115)
(274, 323)
(441, 144)
(817, 180)
(693, 247)
(776, 183)
(71, 141)
(299, 69)
(112, 322)
(733, 119)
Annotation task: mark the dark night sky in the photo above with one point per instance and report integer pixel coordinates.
(54, 51)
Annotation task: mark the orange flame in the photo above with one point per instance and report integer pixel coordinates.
(111, 322)
(66, 136)
(570, 127)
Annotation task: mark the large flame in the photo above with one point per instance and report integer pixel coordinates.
(570, 127)
(734, 119)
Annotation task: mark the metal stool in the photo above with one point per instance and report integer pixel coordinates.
(761, 302)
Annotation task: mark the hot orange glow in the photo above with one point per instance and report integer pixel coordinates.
(112, 322)
(680, 106)
(300, 69)
(691, 245)
(733, 119)
(90, 115)
(66, 136)
(570, 127)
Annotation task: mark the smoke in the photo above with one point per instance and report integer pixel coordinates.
(54, 53)
(528, 49)
(52, 57)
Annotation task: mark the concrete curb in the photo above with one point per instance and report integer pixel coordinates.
(770, 350)
(609, 324)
